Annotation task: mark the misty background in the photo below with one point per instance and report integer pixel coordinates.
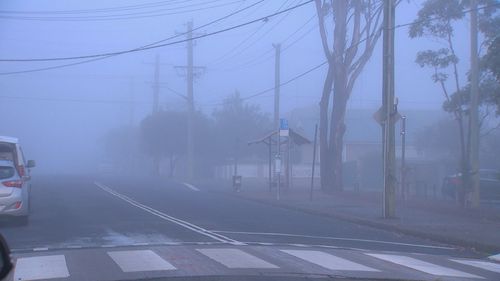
(62, 115)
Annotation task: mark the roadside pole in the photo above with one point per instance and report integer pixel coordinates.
(474, 104)
(314, 162)
(403, 160)
(277, 82)
(389, 210)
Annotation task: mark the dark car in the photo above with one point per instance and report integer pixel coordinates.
(489, 181)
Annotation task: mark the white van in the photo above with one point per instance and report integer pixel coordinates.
(15, 178)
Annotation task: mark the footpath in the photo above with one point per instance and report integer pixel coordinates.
(439, 220)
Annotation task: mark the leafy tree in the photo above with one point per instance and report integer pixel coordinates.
(435, 20)
(164, 135)
(237, 123)
(355, 27)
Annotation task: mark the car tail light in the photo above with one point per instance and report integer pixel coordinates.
(16, 183)
(20, 170)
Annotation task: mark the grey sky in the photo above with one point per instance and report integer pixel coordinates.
(248, 68)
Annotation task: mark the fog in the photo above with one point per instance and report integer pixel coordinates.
(62, 115)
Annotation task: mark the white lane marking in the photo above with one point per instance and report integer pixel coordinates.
(332, 238)
(140, 260)
(495, 257)
(423, 266)
(490, 266)
(41, 267)
(40, 249)
(328, 261)
(190, 186)
(235, 258)
(190, 226)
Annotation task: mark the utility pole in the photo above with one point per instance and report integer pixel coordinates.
(474, 104)
(277, 83)
(131, 108)
(403, 157)
(156, 85)
(190, 75)
(388, 136)
(156, 82)
(190, 100)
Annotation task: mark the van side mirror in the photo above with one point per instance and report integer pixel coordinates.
(31, 164)
(5, 262)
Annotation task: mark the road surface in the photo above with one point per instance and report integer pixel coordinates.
(107, 220)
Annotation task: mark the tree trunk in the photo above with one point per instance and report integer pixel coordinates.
(338, 126)
(325, 159)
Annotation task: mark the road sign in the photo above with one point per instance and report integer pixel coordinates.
(277, 164)
(284, 129)
(379, 116)
(283, 124)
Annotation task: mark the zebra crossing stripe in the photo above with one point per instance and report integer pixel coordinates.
(424, 266)
(235, 258)
(328, 261)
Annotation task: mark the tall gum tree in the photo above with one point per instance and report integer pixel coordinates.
(349, 31)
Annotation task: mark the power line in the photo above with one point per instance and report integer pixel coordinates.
(260, 93)
(263, 35)
(98, 10)
(156, 45)
(265, 56)
(126, 16)
(234, 53)
(74, 100)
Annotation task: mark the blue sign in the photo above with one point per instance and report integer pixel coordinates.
(283, 124)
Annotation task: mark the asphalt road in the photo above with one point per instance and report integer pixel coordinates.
(121, 228)
(95, 211)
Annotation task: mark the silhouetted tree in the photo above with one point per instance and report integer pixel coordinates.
(349, 32)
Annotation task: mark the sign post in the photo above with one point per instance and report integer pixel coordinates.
(277, 168)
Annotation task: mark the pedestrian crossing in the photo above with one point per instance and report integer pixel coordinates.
(213, 260)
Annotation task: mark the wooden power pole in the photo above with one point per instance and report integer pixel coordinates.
(388, 137)
(277, 83)
(474, 104)
(191, 72)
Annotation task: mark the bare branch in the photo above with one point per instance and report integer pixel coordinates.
(321, 20)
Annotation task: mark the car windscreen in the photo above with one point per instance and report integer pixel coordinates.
(6, 172)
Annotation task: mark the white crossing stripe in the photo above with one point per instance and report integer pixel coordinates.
(424, 266)
(490, 266)
(192, 187)
(41, 267)
(139, 260)
(328, 261)
(234, 258)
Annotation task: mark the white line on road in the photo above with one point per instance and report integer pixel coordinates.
(424, 266)
(328, 261)
(235, 258)
(185, 224)
(190, 186)
(490, 266)
(332, 238)
(40, 249)
(141, 260)
(41, 267)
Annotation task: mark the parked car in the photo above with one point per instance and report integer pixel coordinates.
(489, 182)
(15, 179)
